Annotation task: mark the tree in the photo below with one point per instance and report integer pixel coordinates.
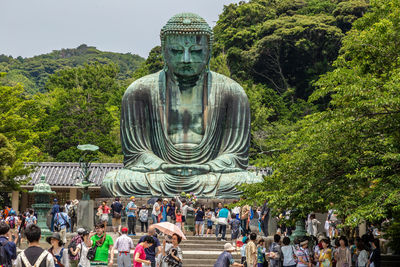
(348, 154)
(81, 106)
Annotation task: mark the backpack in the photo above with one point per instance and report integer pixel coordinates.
(144, 216)
(11, 221)
(71, 212)
(38, 261)
(75, 241)
(3, 254)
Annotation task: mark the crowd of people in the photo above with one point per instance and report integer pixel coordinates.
(97, 247)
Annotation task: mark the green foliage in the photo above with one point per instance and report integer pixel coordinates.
(34, 72)
(83, 107)
(348, 154)
(152, 64)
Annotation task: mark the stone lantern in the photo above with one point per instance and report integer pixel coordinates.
(42, 191)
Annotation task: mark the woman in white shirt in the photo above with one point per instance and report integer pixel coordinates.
(288, 253)
(362, 258)
(82, 250)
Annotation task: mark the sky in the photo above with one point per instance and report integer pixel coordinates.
(34, 27)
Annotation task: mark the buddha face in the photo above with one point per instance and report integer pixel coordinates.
(186, 55)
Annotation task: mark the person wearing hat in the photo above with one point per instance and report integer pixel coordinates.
(82, 248)
(123, 245)
(225, 259)
(59, 254)
(163, 210)
(302, 255)
(54, 210)
(144, 218)
(131, 212)
(75, 241)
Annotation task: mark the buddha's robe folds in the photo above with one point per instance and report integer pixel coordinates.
(145, 143)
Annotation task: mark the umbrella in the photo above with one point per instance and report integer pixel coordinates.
(152, 200)
(169, 229)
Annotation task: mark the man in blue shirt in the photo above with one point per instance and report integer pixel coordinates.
(54, 211)
(131, 212)
(151, 251)
(62, 220)
(9, 247)
(225, 259)
(116, 213)
(222, 217)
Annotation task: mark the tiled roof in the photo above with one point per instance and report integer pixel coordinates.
(65, 173)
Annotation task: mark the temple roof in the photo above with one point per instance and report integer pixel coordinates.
(63, 174)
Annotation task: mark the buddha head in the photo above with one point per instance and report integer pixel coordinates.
(186, 42)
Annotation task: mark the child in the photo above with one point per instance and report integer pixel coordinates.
(235, 231)
(210, 223)
(243, 250)
(178, 218)
(260, 253)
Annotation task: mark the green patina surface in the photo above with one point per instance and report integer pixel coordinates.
(184, 128)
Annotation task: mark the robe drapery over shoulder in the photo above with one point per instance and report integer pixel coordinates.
(146, 145)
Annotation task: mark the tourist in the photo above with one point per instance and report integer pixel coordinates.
(172, 253)
(275, 250)
(244, 218)
(103, 212)
(353, 250)
(265, 218)
(225, 259)
(235, 228)
(362, 255)
(260, 252)
(302, 255)
(251, 251)
(9, 247)
(73, 214)
(375, 257)
(154, 249)
(74, 258)
(67, 207)
(163, 210)
(21, 229)
(171, 211)
(343, 254)
(184, 209)
(116, 213)
(325, 255)
(156, 211)
(178, 218)
(82, 248)
(209, 217)
(222, 218)
(314, 225)
(34, 254)
(6, 211)
(245, 240)
(104, 244)
(12, 221)
(123, 245)
(61, 223)
(199, 220)
(139, 255)
(131, 212)
(60, 255)
(144, 218)
(31, 218)
(54, 210)
(288, 254)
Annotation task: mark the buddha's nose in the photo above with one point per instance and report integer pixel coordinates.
(186, 56)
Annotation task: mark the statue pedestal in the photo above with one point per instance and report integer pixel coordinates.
(85, 214)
